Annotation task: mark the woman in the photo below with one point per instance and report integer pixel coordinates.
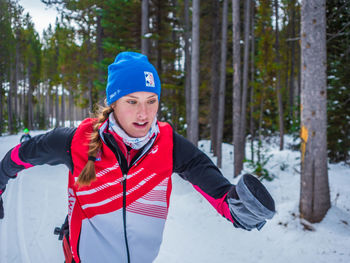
(120, 172)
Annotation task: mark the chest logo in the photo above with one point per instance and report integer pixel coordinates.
(154, 149)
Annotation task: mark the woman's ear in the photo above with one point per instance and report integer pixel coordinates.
(113, 105)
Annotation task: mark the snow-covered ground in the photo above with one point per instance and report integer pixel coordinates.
(36, 202)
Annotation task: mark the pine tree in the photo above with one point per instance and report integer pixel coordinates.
(338, 92)
(314, 192)
(194, 73)
(6, 62)
(222, 84)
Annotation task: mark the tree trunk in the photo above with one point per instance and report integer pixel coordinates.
(46, 107)
(17, 77)
(174, 111)
(252, 77)
(261, 117)
(89, 81)
(63, 107)
(36, 114)
(30, 98)
(187, 68)
(159, 48)
(236, 84)
(194, 73)
(278, 83)
(314, 194)
(214, 81)
(292, 58)
(51, 103)
(144, 28)
(100, 55)
(9, 102)
(57, 108)
(30, 107)
(159, 40)
(71, 107)
(298, 63)
(222, 87)
(22, 101)
(242, 130)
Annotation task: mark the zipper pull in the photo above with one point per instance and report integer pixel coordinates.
(124, 178)
(128, 157)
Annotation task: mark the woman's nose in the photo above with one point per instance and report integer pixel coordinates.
(142, 111)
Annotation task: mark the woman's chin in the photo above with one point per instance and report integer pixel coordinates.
(138, 132)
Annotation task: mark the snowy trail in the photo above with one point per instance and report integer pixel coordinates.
(35, 202)
(10, 230)
(20, 222)
(12, 227)
(31, 213)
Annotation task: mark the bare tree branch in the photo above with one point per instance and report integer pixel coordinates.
(340, 32)
(293, 39)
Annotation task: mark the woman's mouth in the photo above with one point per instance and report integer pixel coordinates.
(140, 124)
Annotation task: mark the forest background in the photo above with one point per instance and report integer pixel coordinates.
(230, 70)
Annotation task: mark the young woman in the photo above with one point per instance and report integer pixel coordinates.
(120, 166)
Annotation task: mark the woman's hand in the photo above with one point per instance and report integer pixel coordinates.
(250, 203)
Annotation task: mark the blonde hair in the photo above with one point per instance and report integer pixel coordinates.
(88, 174)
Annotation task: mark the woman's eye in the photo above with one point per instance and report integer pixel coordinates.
(131, 101)
(152, 101)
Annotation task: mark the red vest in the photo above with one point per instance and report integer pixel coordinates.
(105, 195)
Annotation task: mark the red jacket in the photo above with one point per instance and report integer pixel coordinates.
(140, 197)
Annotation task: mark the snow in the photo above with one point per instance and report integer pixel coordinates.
(35, 203)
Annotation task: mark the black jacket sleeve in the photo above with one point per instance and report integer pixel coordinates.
(195, 166)
(49, 148)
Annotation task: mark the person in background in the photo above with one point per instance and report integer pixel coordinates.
(120, 166)
(26, 136)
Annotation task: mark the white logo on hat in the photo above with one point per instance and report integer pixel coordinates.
(149, 79)
(114, 94)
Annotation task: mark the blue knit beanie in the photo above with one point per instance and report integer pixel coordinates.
(131, 72)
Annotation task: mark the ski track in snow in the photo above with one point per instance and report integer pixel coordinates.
(34, 204)
(20, 227)
(31, 216)
(12, 235)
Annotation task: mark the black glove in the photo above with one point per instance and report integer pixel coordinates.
(250, 203)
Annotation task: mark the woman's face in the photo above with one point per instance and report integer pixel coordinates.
(135, 112)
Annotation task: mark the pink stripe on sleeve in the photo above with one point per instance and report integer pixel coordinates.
(17, 160)
(219, 204)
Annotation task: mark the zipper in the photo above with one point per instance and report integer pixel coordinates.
(125, 175)
(125, 170)
(128, 161)
(128, 157)
(123, 182)
(124, 216)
